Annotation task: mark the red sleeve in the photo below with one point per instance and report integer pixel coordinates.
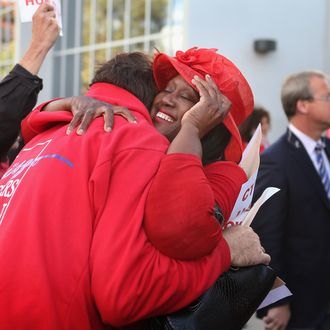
(38, 121)
(130, 279)
(179, 212)
(179, 217)
(226, 179)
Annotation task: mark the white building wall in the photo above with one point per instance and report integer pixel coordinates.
(300, 27)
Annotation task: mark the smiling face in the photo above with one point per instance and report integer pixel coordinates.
(171, 104)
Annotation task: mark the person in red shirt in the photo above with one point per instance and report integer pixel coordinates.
(73, 251)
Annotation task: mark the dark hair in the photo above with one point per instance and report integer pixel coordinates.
(248, 127)
(214, 144)
(130, 71)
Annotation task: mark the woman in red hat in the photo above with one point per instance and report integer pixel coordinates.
(176, 79)
(180, 80)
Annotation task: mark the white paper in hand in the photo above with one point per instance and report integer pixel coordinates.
(27, 8)
(243, 202)
(250, 164)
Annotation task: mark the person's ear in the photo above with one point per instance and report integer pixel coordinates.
(302, 106)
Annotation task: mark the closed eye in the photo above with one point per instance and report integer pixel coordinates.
(189, 98)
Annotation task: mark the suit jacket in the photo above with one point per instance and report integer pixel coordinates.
(294, 227)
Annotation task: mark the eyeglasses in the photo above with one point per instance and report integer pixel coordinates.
(325, 98)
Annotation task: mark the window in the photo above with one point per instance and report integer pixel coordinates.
(96, 30)
(7, 36)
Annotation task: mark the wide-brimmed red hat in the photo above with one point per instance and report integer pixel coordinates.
(230, 81)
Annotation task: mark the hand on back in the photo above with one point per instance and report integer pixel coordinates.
(85, 109)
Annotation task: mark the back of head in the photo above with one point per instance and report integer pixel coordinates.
(297, 87)
(130, 71)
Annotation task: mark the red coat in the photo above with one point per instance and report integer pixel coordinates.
(73, 252)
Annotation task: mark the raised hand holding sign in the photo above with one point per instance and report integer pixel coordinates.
(27, 8)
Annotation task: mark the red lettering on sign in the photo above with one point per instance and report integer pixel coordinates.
(241, 211)
(34, 2)
(248, 192)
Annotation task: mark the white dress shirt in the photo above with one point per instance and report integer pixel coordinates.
(309, 145)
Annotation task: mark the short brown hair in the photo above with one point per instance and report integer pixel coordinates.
(130, 71)
(297, 87)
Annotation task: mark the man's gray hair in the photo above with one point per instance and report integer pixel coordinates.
(297, 87)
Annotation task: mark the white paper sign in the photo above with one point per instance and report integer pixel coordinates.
(269, 192)
(243, 201)
(250, 163)
(27, 8)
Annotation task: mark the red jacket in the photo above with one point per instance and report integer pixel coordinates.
(73, 252)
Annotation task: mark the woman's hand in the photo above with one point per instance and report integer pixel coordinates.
(211, 109)
(85, 109)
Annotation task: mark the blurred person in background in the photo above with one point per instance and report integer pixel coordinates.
(248, 127)
(20, 88)
(294, 225)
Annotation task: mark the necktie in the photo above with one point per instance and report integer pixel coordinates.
(321, 168)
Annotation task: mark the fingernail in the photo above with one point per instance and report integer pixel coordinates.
(80, 132)
(134, 121)
(208, 76)
(108, 129)
(68, 131)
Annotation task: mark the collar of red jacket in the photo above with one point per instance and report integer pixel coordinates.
(118, 96)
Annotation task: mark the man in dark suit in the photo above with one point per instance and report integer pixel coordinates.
(294, 225)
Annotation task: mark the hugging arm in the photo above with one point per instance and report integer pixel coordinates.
(85, 109)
